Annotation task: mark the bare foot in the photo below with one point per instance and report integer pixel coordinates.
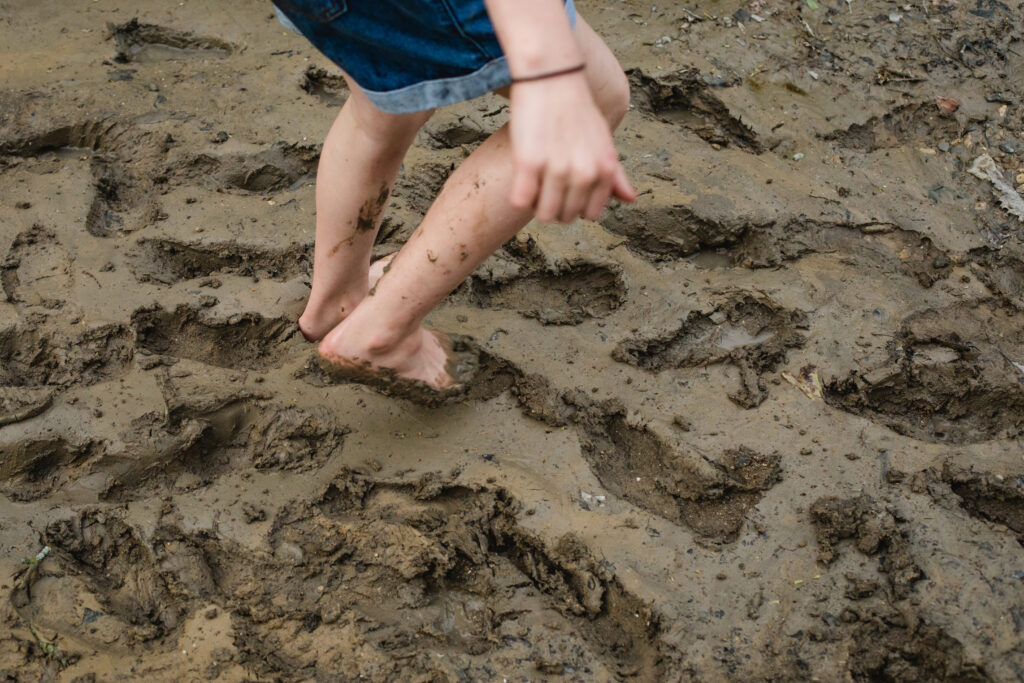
(317, 321)
(422, 356)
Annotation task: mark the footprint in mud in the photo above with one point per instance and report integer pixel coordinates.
(101, 561)
(918, 122)
(886, 632)
(660, 233)
(453, 132)
(246, 340)
(203, 437)
(329, 88)
(718, 237)
(41, 356)
(686, 98)
(369, 571)
(418, 187)
(122, 202)
(711, 498)
(102, 134)
(35, 467)
(655, 472)
(992, 497)
(750, 332)
(411, 559)
(282, 167)
(954, 375)
(167, 261)
(565, 292)
(138, 42)
(37, 268)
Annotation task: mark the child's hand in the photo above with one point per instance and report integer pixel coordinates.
(565, 161)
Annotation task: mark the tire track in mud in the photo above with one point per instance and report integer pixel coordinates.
(373, 568)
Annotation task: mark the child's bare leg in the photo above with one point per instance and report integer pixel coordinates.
(360, 160)
(470, 219)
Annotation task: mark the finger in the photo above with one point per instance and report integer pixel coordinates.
(621, 187)
(552, 197)
(525, 186)
(576, 196)
(598, 199)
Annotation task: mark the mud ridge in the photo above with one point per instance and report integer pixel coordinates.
(168, 261)
(950, 377)
(245, 341)
(751, 332)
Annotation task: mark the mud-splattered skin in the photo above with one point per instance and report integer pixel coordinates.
(370, 212)
(624, 488)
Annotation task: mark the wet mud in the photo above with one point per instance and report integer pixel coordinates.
(765, 423)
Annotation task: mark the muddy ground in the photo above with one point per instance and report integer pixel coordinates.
(632, 490)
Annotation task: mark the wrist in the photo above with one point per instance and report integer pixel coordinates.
(549, 75)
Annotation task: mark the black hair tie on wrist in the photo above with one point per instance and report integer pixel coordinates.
(550, 74)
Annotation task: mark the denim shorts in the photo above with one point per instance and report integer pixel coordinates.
(407, 55)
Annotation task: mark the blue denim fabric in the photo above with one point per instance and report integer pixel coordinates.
(407, 55)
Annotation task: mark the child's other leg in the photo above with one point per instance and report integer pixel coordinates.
(470, 219)
(358, 165)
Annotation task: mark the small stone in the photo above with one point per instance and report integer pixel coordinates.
(153, 87)
(211, 613)
(220, 137)
(1008, 148)
(943, 146)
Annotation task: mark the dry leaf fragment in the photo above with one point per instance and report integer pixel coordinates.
(806, 381)
(947, 104)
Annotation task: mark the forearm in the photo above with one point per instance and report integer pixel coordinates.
(535, 35)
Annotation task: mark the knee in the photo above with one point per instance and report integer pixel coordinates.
(613, 98)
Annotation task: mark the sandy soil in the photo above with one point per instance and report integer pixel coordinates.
(632, 490)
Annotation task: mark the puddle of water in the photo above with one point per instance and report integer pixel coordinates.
(711, 260)
(732, 337)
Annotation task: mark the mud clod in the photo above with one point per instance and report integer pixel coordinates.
(874, 530)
